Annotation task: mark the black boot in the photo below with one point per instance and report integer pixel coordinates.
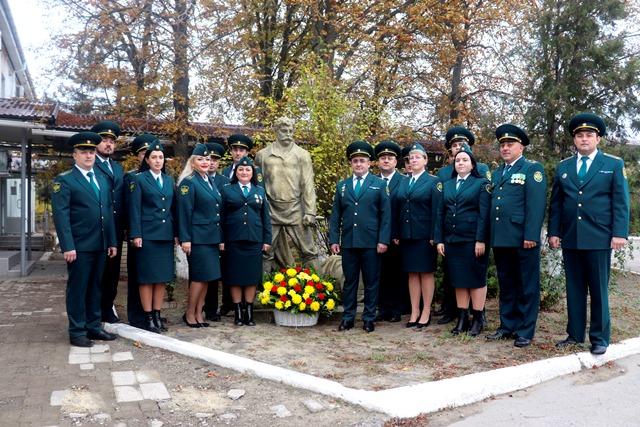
(477, 324)
(150, 324)
(463, 321)
(237, 314)
(248, 314)
(158, 321)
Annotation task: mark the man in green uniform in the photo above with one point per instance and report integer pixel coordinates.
(360, 227)
(211, 309)
(113, 174)
(239, 146)
(517, 212)
(393, 294)
(83, 217)
(454, 139)
(588, 217)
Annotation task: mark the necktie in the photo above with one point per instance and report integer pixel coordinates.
(108, 163)
(233, 168)
(245, 190)
(159, 182)
(506, 170)
(386, 181)
(459, 184)
(411, 182)
(358, 185)
(582, 172)
(93, 184)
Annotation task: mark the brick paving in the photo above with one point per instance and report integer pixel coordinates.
(47, 382)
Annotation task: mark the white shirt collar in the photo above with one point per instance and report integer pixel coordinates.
(156, 175)
(248, 185)
(514, 162)
(590, 156)
(416, 177)
(355, 178)
(85, 172)
(462, 178)
(388, 177)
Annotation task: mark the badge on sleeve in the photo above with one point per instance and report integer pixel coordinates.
(132, 187)
(537, 176)
(439, 187)
(488, 188)
(56, 187)
(624, 172)
(488, 174)
(259, 177)
(184, 190)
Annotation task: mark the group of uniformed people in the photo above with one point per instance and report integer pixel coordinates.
(389, 229)
(392, 224)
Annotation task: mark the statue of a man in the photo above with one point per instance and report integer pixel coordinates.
(288, 180)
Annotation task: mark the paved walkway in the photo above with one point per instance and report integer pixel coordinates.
(120, 383)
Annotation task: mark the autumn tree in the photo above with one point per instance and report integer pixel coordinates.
(581, 61)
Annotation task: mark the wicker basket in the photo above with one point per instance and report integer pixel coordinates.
(296, 320)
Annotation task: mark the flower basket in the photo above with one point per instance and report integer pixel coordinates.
(296, 320)
(298, 295)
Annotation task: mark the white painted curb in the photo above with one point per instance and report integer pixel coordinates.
(407, 401)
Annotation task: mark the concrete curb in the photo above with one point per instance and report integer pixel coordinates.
(407, 401)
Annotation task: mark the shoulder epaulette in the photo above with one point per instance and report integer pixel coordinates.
(568, 158)
(190, 177)
(67, 172)
(612, 156)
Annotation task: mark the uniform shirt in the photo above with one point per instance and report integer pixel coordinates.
(388, 178)
(106, 161)
(589, 160)
(157, 176)
(85, 172)
(362, 178)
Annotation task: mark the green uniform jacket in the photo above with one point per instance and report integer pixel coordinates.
(83, 221)
(116, 185)
(416, 209)
(463, 215)
(517, 204)
(151, 209)
(199, 208)
(360, 221)
(245, 218)
(587, 215)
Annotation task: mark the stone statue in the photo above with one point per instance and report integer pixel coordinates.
(288, 180)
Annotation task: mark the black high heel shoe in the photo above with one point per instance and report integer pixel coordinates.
(203, 324)
(411, 324)
(191, 325)
(423, 325)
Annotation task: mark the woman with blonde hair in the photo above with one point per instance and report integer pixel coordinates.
(199, 231)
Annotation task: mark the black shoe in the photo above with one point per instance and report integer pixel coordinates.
(248, 314)
(204, 324)
(522, 342)
(423, 325)
(157, 320)
(214, 317)
(477, 325)
(238, 320)
(191, 325)
(369, 326)
(109, 317)
(345, 325)
(101, 335)
(81, 341)
(463, 322)
(411, 324)
(598, 349)
(500, 334)
(568, 341)
(447, 318)
(395, 318)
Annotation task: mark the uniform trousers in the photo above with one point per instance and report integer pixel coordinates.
(519, 281)
(587, 272)
(110, 279)
(354, 262)
(135, 313)
(83, 293)
(393, 294)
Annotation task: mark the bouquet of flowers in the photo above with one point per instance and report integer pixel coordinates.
(298, 290)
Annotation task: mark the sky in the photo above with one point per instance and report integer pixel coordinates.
(35, 32)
